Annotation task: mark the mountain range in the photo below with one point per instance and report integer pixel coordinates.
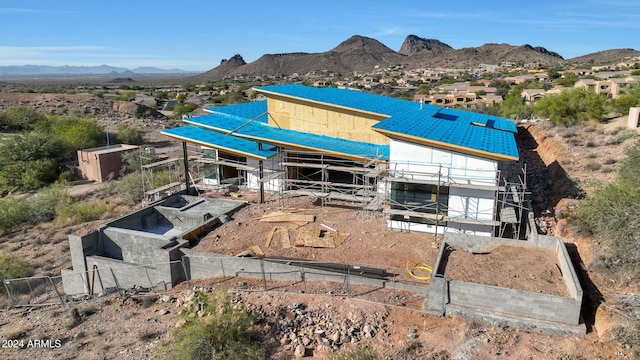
(364, 54)
(66, 70)
(356, 54)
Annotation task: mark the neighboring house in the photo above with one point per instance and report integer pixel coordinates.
(531, 95)
(437, 169)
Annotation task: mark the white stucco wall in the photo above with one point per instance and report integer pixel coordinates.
(413, 161)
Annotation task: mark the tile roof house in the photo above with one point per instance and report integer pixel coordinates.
(436, 169)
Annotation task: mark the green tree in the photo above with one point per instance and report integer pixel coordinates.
(568, 79)
(75, 133)
(20, 118)
(502, 87)
(571, 107)
(132, 135)
(28, 161)
(513, 106)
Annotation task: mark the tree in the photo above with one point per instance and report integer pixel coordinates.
(28, 161)
(571, 107)
(513, 105)
(568, 79)
(75, 133)
(502, 87)
(132, 135)
(19, 118)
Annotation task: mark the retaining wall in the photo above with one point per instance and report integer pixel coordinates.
(478, 300)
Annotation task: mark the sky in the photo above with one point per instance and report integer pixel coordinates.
(197, 35)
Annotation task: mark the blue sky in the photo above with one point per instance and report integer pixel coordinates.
(197, 35)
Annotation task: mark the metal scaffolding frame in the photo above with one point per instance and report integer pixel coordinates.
(509, 194)
(331, 179)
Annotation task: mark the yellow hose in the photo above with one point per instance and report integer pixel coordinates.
(421, 267)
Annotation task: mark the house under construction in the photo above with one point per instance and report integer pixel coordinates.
(430, 169)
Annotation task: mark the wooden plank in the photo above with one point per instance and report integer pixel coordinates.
(284, 238)
(257, 250)
(270, 236)
(311, 238)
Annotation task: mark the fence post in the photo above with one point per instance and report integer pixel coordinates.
(264, 279)
(224, 275)
(57, 292)
(115, 279)
(184, 268)
(30, 290)
(9, 292)
(146, 270)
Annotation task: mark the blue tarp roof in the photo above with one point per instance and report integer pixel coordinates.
(257, 131)
(454, 129)
(252, 110)
(461, 130)
(220, 141)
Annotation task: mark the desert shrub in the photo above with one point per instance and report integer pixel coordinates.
(613, 211)
(361, 352)
(79, 212)
(15, 212)
(132, 135)
(592, 166)
(12, 267)
(222, 331)
(627, 335)
(590, 144)
(129, 188)
(28, 161)
(620, 137)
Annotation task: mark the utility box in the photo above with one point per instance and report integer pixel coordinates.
(101, 163)
(634, 117)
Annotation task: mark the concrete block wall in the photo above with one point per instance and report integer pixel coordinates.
(203, 265)
(511, 301)
(517, 302)
(112, 273)
(132, 246)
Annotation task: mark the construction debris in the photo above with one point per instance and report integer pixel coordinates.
(257, 250)
(317, 238)
(281, 216)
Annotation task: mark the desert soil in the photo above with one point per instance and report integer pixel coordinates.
(131, 325)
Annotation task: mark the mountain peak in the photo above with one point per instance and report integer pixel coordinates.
(414, 44)
(361, 43)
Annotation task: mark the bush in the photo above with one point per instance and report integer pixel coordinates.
(15, 212)
(19, 118)
(571, 107)
(222, 331)
(81, 212)
(614, 211)
(132, 135)
(12, 267)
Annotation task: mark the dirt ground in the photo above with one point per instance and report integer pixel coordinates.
(131, 326)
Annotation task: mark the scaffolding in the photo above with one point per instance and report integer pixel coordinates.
(330, 178)
(507, 213)
(366, 184)
(149, 162)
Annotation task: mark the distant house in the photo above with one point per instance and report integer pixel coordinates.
(531, 95)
